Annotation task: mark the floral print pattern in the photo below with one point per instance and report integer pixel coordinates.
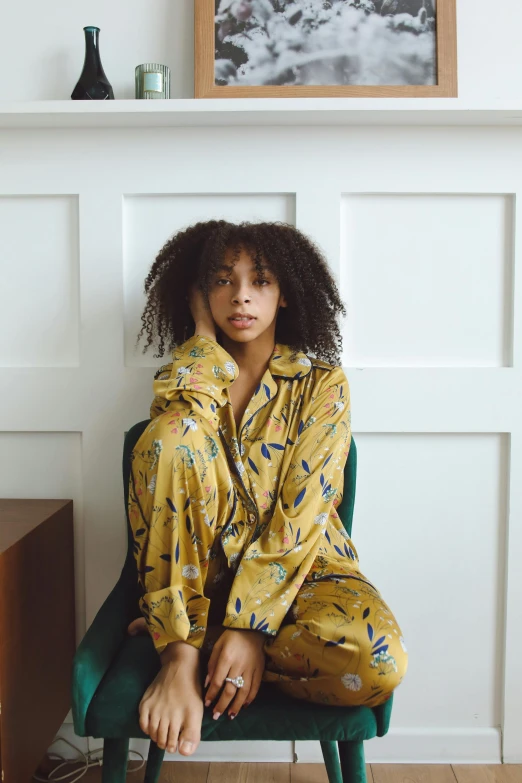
(238, 526)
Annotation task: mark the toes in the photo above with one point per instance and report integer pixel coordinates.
(144, 720)
(153, 731)
(188, 741)
(172, 742)
(164, 730)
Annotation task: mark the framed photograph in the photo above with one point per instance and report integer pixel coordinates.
(325, 48)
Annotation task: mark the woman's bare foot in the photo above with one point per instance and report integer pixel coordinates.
(158, 701)
(171, 710)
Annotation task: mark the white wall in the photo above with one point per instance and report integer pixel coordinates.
(419, 233)
(420, 228)
(42, 49)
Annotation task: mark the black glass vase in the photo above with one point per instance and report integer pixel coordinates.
(92, 85)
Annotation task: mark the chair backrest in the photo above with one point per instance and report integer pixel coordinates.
(131, 438)
(345, 509)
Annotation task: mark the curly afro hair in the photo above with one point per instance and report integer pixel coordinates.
(193, 254)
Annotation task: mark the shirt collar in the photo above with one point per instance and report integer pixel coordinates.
(280, 363)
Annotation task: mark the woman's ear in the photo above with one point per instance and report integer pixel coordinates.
(282, 301)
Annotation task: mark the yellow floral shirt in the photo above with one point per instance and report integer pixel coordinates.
(287, 463)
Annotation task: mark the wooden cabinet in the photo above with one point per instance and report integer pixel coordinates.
(37, 629)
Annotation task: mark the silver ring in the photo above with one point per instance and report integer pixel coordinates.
(238, 681)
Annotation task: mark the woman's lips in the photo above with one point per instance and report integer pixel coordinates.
(243, 323)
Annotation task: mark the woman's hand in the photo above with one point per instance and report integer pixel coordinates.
(201, 313)
(236, 652)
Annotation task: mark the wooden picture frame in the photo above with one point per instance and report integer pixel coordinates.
(446, 64)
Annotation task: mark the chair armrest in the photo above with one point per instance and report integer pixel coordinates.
(101, 643)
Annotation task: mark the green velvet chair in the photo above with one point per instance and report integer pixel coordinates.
(112, 670)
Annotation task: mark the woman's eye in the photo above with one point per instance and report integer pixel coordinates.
(224, 280)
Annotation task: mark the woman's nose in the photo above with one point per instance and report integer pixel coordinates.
(242, 293)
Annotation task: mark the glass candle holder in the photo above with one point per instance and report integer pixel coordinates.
(152, 81)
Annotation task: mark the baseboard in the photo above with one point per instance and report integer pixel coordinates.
(61, 741)
(228, 751)
(399, 746)
(422, 746)
(207, 751)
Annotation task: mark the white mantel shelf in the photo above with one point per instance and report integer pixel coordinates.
(257, 111)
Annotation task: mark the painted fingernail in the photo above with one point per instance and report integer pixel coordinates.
(207, 703)
(232, 715)
(246, 704)
(216, 715)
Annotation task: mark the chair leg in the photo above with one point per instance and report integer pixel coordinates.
(352, 762)
(115, 756)
(154, 762)
(331, 761)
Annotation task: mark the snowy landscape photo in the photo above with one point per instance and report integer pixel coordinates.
(325, 42)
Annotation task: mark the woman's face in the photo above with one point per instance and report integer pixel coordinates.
(239, 287)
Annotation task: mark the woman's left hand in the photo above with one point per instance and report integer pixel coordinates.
(236, 652)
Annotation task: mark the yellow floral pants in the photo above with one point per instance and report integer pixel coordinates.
(339, 642)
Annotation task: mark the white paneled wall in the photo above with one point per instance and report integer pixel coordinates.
(436, 269)
(419, 227)
(440, 539)
(39, 251)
